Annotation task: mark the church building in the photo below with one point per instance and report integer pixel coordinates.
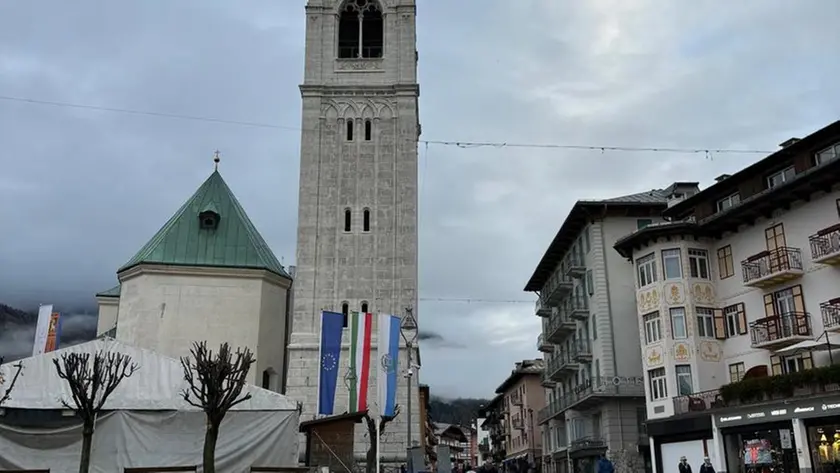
(357, 217)
(206, 275)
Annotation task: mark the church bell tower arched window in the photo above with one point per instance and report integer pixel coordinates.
(361, 30)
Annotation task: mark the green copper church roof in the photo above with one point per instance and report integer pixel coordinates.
(222, 236)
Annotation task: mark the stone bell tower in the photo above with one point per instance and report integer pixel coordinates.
(357, 218)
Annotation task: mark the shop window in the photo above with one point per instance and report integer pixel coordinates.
(824, 440)
(762, 450)
(672, 263)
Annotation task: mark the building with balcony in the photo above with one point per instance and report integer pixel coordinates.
(593, 375)
(737, 299)
(521, 397)
(457, 438)
(494, 448)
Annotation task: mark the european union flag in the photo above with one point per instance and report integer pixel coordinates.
(332, 326)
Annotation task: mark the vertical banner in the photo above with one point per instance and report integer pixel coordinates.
(53, 333)
(42, 328)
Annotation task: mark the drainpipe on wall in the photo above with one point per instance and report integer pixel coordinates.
(287, 336)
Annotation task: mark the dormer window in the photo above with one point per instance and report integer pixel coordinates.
(778, 178)
(208, 218)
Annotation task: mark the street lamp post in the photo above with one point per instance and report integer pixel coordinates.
(408, 330)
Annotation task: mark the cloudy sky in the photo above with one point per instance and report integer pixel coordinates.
(81, 189)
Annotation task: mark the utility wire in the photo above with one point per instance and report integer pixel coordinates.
(463, 300)
(459, 144)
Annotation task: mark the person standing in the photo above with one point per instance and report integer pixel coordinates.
(707, 467)
(604, 465)
(684, 467)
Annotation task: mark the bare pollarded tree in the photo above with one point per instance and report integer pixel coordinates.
(370, 422)
(215, 384)
(7, 386)
(91, 381)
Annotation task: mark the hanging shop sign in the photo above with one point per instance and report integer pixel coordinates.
(778, 412)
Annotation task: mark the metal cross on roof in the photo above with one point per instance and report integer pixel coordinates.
(216, 158)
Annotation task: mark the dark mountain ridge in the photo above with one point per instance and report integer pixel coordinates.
(461, 411)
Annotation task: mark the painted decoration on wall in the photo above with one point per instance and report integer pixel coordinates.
(674, 294)
(710, 351)
(653, 356)
(704, 293)
(648, 301)
(682, 351)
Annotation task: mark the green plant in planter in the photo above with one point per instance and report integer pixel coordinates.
(783, 385)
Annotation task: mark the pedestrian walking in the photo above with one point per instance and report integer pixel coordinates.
(684, 467)
(707, 467)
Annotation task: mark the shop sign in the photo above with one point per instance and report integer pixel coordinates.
(784, 438)
(804, 409)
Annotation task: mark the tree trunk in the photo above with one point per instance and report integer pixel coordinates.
(370, 460)
(87, 443)
(210, 438)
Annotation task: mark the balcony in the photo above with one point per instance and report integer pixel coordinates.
(549, 412)
(823, 381)
(543, 345)
(831, 314)
(825, 245)
(771, 268)
(577, 307)
(542, 309)
(556, 288)
(575, 266)
(779, 331)
(545, 379)
(561, 365)
(559, 326)
(516, 400)
(587, 447)
(581, 351)
(517, 423)
(594, 391)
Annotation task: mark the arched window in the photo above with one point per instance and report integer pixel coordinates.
(360, 30)
(368, 130)
(366, 220)
(345, 310)
(364, 307)
(350, 130)
(348, 216)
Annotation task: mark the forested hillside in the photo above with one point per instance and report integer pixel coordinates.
(461, 411)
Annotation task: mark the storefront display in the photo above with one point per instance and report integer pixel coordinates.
(760, 449)
(824, 442)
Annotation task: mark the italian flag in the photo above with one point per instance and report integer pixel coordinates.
(360, 330)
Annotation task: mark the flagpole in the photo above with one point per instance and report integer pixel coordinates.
(378, 444)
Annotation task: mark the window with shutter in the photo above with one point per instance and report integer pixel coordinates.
(742, 319)
(720, 324)
(776, 365)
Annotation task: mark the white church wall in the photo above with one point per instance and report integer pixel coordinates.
(271, 348)
(167, 308)
(108, 310)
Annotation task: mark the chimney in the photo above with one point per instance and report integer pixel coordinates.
(292, 269)
(722, 177)
(789, 142)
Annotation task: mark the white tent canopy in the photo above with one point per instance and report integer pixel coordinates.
(146, 422)
(826, 342)
(157, 385)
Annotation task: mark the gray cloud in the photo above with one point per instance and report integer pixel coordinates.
(85, 189)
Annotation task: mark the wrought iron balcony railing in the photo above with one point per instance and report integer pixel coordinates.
(780, 330)
(772, 267)
(831, 314)
(825, 245)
